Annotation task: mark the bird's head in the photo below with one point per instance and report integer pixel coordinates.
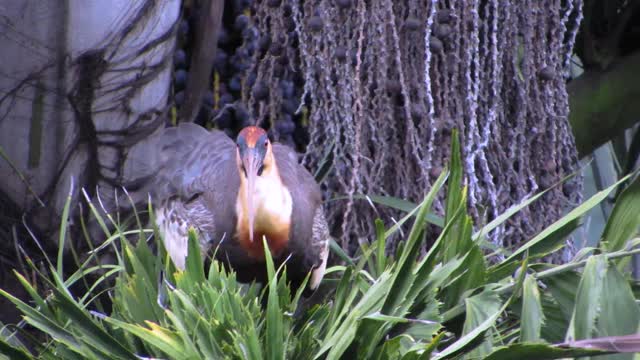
(254, 159)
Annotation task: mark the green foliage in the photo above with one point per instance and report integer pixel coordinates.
(532, 314)
(623, 223)
(450, 303)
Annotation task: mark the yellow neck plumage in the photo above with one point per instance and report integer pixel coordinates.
(272, 206)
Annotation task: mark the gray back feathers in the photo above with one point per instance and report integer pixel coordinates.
(198, 176)
(197, 172)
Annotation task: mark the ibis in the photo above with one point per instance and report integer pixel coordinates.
(235, 194)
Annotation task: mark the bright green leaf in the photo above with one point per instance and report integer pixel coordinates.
(588, 299)
(532, 316)
(624, 221)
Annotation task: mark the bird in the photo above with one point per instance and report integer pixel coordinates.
(233, 195)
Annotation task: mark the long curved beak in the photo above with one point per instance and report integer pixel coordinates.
(251, 163)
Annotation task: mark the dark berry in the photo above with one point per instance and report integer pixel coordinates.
(412, 24)
(240, 62)
(288, 89)
(546, 73)
(435, 44)
(416, 111)
(242, 53)
(435, 171)
(180, 78)
(442, 31)
(249, 34)
(235, 84)
(264, 43)
(241, 22)
(220, 62)
(180, 58)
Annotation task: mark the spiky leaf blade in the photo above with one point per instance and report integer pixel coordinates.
(532, 316)
(624, 221)
(588, 299)
(533, 351)
(480, 308)
(275, 328)
(619, 314)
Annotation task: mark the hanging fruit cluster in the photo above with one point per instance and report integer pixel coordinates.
(236, 91)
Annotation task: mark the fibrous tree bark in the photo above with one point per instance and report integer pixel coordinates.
(385, 82)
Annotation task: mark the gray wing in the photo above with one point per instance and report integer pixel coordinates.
(320, 244)
(309, 234)
(190, 158)
(196, 185)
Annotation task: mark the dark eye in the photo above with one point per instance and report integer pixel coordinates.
(266, 143)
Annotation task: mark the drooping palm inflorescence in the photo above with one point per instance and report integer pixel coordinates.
(385, 82)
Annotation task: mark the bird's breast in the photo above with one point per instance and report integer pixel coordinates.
(273, 206)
